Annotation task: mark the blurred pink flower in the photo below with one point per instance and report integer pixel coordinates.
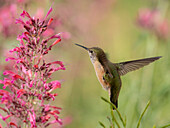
(146, 18)
(40, 13)
(22, 1)
(153, 21)
(7, 14)
(163, 29)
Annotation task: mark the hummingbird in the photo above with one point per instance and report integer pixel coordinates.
(109, 73)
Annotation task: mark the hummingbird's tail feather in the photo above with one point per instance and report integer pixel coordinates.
(115, 103)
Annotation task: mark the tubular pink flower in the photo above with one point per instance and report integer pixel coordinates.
(10, 58)
(13, 124)
(17, 49)
(50, 20)
(32, 120)
(57, 41)
(8, 73)
(19, 21)
(49, 11)
(20, 92)
(24, 13)
(4, 109)
(16, 76)
(55, 84)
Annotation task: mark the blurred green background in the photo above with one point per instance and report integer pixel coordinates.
(113, 26)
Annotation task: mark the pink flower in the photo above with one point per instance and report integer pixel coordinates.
(146, 18)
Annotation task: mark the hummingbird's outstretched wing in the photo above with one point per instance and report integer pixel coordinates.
(128, 66)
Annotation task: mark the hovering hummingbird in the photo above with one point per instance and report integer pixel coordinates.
(109, 73)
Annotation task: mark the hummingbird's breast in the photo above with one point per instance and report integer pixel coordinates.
(100, 73)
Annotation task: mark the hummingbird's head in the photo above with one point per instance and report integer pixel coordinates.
(94, 52)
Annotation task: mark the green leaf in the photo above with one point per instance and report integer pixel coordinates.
(102, 124)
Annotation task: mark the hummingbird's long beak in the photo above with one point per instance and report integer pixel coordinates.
(82, 46)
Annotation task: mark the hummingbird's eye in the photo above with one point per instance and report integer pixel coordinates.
(91, 51)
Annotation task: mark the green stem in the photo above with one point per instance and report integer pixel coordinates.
(165, 126)
(113, 106)
(111, 122)
(114, 119)
(143, 114)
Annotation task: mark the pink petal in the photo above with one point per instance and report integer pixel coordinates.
(24, 13)
(10, 58)
(8, 72)
(20, 92)
(13, 124)
(50, 20)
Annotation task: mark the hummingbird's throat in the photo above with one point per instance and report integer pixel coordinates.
(92, 58)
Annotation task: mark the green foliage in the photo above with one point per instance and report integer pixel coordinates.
(114, 120)
(123, 121)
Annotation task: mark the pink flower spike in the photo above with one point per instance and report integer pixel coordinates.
(29, 94)
(49, 11)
